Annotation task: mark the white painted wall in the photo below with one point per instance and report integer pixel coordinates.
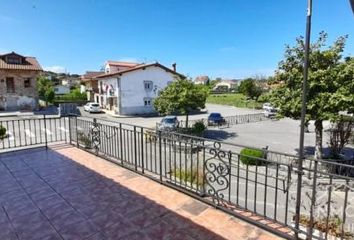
(26, 102)
(82, 88)
(60, 90)
(133, 91)
(113, 68)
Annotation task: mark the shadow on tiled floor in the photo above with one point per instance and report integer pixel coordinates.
(45, 194)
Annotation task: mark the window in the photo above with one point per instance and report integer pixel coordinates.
(147, 101)
(148, 85)
(27, 82)
(101, 87)
(10, 84)
(13, 60)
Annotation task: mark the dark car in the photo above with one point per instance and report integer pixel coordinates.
(215, 119)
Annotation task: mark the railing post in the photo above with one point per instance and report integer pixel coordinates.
(69, 129)
(45, 135)
(204, 177)
(135, 151)
(142, 149)
(77, 134)
(121, 143)
(160, 154)
(298, 197)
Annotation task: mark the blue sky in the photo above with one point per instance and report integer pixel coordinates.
(228, 38)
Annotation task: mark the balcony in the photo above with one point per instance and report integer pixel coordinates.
(76, 178)
(66, 193)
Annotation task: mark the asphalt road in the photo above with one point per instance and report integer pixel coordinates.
(150, 122)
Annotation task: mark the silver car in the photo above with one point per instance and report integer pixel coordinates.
(168, 123)
(92, 107)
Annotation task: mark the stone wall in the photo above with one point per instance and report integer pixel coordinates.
(24, 98)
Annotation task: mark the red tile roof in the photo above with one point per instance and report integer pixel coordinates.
(138, 67)
(122, 64)
(89, 75)
(28, 63)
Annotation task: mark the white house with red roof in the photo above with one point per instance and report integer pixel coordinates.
(115, 66)
(129, 88)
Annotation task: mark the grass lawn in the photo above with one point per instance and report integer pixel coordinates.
(233, 99)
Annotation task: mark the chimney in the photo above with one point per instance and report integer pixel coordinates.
(174, 65)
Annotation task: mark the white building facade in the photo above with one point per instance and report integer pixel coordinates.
(61, 90)
(132, 91)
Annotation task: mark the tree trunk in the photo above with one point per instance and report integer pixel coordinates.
(318, 145)
(187, 119)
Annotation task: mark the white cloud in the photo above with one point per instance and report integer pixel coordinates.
(56, 69)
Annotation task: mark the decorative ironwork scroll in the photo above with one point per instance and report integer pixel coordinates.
(96, 135)
(217, 173)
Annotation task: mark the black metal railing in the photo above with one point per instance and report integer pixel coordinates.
(33, 131)
(230, 120)
(217, 173)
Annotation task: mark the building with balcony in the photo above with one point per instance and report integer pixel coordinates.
(131, 90)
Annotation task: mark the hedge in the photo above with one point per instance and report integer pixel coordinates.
(251, 156)
(2, 131)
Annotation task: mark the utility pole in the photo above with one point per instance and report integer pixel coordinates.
(303, 114)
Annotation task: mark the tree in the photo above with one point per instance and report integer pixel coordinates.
(45, 89)
(181, 96)
(76, 94)
(330, 84)
(250, 89)
(340, 134)
(213, 82)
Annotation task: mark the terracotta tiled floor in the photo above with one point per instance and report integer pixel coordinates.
(66, 193)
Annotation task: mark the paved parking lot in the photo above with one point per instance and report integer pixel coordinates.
(151, 121)
(282, 135)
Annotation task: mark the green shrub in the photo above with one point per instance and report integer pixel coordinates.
(332, 225)
(251, 156)
(194, 176)
(198, 128)
(2, 131)
(84, 139)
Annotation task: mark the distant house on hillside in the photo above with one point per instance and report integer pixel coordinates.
(90, 85)
(61, 90)
(70, 82)
(18, 82)
(130, 88)
(201, 80)
(227, 85)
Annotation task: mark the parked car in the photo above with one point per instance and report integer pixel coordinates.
(215, 119)
(92, 107)
(168, 123)
(270, 112)
(266, 106)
